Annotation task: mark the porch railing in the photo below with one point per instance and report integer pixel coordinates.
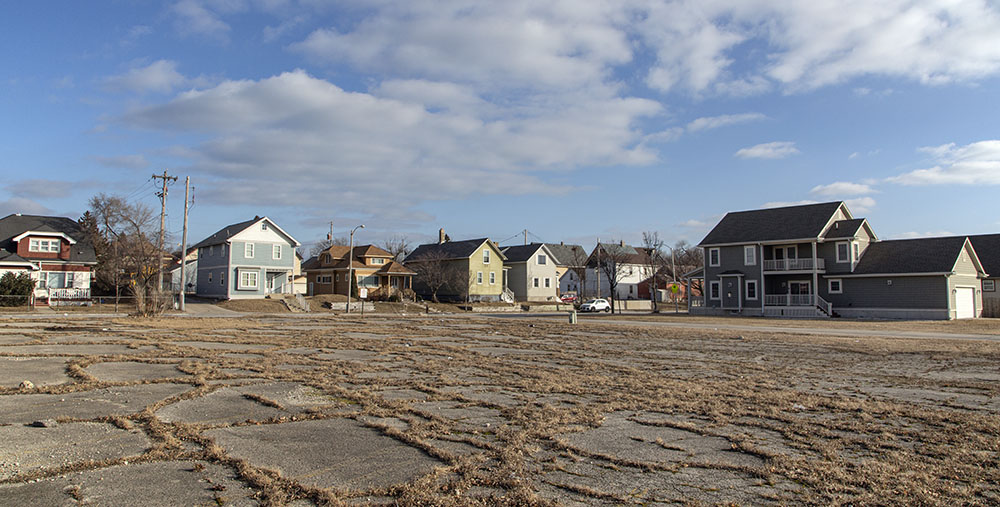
(788, 300)
(793, 264)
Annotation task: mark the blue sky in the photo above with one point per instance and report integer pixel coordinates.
(574, 120)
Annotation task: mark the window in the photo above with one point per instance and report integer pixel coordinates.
(378, 261)
(248, 250)
(541, 258)
(843, 252)
(857, 252)
(338, 277)
(263, 226)
(750, 255)
(69, 279)
(369, 281)
(43, 245)
(713, 290)
(493, 277)
(222, 278)
(536, 282)
(835, 286)
(276, 252)
(479, 277)
(323, 279)
(211, 250)
(486, 256)
(548, 283)
(713, 257)
(989, 285)
(752, 289)
(248, 279)
(209, 277)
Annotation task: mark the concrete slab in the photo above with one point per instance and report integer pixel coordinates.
(179, 483)
(14, 339)
(290, 395)
(25, 408)
(42, 371)
(227, 405)
(402, 394)
(348, 355)
(218, 345)
(127, 371)
(326, 453)
(72, 349)
(28, 449)
(44, 493)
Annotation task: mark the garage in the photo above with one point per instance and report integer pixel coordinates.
(965, 303)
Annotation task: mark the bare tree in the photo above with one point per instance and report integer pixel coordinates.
(131, 259)
(435, 273)
(611, 260)
(660, 263)
(327, 243)
(398, 246)
(687, 257)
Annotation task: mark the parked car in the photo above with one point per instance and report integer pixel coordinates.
(568, 298)
(596, 305)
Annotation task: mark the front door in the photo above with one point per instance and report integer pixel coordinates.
(801, 293)
(731, 293)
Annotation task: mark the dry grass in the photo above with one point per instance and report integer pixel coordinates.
(849, 421)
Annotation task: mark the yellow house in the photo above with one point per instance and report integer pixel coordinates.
(469, 270)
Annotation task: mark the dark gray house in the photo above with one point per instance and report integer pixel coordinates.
(819, 260)
(249, 259)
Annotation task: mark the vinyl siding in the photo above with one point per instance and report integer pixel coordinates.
(732, 258)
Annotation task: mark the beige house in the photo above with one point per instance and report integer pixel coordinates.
(532, 272)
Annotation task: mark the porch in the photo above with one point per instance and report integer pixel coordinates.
(796, 305)
(783, 265)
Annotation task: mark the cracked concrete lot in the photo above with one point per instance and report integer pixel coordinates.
(457, 410)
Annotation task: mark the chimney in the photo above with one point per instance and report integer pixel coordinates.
(623, 242)
(441, 236)
(562, 244)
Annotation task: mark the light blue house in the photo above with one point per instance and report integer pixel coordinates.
(246, 260)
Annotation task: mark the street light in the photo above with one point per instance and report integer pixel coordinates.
(350, 267)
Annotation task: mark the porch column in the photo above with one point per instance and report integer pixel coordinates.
(761, 292)
(815, 278)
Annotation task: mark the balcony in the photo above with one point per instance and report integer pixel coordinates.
(780, 265)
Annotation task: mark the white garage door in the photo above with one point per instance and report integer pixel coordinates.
(965, 303)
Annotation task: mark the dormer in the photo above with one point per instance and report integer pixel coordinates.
(44, 245)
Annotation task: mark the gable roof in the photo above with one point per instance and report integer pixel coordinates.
(14, 225)
(564, 253)
(522, 253)
(395, 268)
(844, 228)
(773, 224)
(629, 254)
(987, 248)
(226, 233)
(922, 255)
(450, 249)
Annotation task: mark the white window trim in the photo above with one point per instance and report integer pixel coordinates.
(829, 286)
(243, 285)
(541, 259)
(717, 284)
(837, 247)
(486, 256)
(479, 277)
(548, 283)
(534, 282)
(248, 250)
(992, 285)
(756, 290)
(751, 259)
(44, 245)
(493, 277)
(718, 257)
(276, 252)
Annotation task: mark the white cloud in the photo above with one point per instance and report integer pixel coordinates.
(194, 19)
(160, 76)
(712, 122)
(42, 188)
(123, 162)
(22, 205)
(779, 149)
(842, 188)
(305, 140)
(782, 204)
(915, 235)
(973, 164)
(860, 205)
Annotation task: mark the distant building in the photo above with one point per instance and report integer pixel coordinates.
(53, 251)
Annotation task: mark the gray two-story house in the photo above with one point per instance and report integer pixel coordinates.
(819, 260)
(246, 260)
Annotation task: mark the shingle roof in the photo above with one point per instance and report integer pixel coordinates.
(395, 268)
(310, 263)
(448, 250)
(520, 253)
(631, 254)
(223, 234)
(14, 225)
(772, 224)
(987, 247)
(844, 228)
(923, 255)
(565, 253)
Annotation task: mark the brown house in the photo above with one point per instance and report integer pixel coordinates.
(374, 269)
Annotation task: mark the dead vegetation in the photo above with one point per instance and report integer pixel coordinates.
(510, 408)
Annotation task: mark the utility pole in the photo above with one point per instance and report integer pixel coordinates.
(526, 236)
(350, 269)
(159, 245)
(184, 240)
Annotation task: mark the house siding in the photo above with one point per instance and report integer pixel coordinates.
(732, 258)
(521, 275)
(485, 291)
(215, 264)
(966, 275)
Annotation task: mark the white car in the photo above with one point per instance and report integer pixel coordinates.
(596, 305)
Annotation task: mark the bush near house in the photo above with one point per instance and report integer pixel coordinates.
(15, 290)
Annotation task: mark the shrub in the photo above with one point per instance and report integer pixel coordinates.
(15, 290)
